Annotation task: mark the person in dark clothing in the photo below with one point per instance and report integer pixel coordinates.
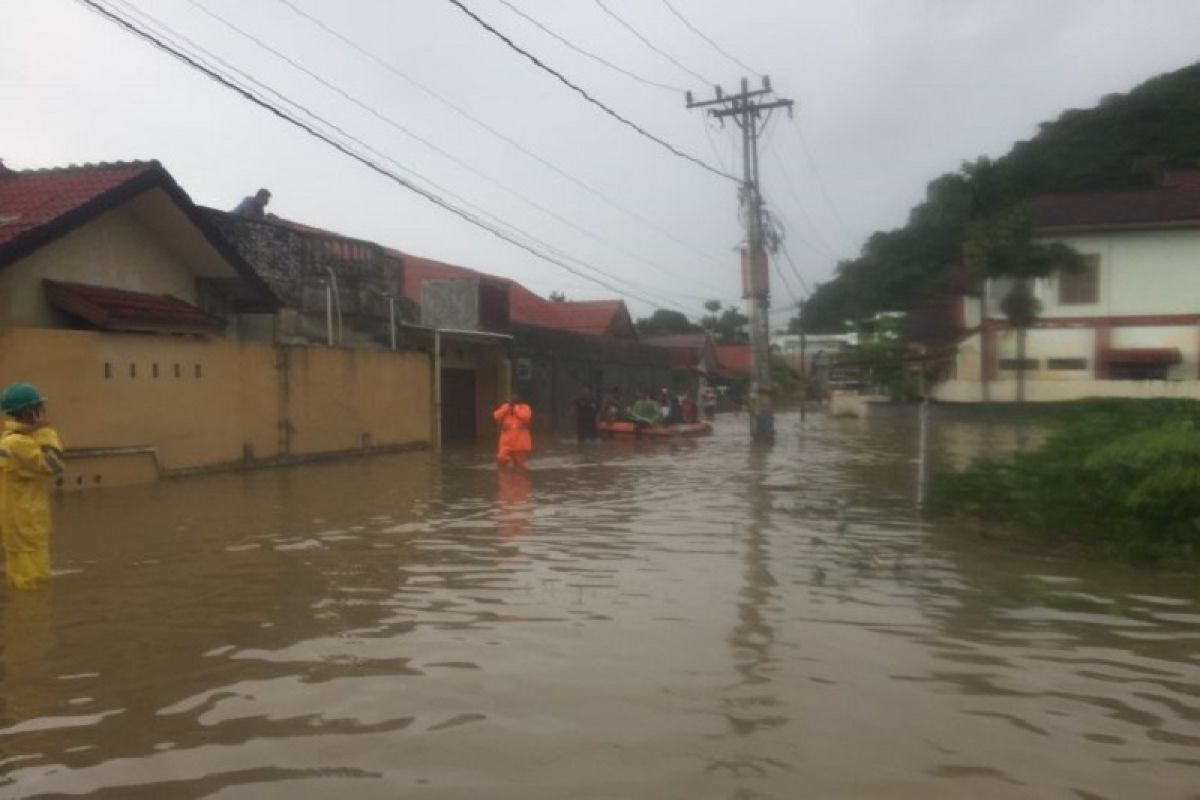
(255, 206)
(675, 412)
(586, 411)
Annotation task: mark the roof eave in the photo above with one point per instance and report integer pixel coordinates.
(1104, 227)
(154, 176)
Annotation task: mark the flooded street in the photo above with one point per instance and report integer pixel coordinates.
(696, 620)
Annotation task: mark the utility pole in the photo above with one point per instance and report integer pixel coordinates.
(750, 110)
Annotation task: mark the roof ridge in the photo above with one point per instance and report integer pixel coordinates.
(88, 165)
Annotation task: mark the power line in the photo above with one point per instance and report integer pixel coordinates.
(439, 150)
(812, 164)
(651, 44)
(783, 279)
(612, 203)
(589, 54)
(795, 270)
(712, 43)
(820, 245)
(344, 149)
(512, 230)
(583, 93)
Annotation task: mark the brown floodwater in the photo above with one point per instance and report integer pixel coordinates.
(704, 619)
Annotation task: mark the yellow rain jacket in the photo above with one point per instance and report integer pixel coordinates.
(28, 456)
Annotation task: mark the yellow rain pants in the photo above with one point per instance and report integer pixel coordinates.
(28, 457)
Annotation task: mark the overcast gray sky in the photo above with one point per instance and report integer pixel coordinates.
(889, 93)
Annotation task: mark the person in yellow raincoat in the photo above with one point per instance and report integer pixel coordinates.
(30, 454)
(515, 442)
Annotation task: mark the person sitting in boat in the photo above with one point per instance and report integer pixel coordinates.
(613, 409)
(675, 411)
(709, 401)
(689, 410)
(645, 412)
(664, 404)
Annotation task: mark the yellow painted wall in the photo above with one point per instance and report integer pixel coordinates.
(115, 250)
(204, 403)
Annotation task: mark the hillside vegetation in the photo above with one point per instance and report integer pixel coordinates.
(1124, 142)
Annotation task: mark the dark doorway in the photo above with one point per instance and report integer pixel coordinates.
(458, 404)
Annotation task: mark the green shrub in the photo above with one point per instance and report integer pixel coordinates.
(1122, 474)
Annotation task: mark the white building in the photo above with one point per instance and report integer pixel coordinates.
(1126, 326)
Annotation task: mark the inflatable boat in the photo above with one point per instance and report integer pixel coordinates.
(628, 430)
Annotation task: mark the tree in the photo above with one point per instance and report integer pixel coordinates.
(666, 321)
(728, 327)
(558, 297)
(1001, 245)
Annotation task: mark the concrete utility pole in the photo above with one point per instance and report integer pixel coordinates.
(751, 110)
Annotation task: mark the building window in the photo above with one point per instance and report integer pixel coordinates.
(133, 370)
(1081, 286)
(524, 369)
(1066, 363)
(154, 370)
(107, 369)
(1013, 363)
(198, 372)
(177, 372)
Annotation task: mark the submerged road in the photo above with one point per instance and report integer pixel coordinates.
(628, 620)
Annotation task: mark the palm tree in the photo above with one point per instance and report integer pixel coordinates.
(1002, 245)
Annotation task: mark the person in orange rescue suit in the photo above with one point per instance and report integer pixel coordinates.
(30, 454)
(515, 442)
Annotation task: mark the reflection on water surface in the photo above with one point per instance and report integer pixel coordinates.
(627, 620)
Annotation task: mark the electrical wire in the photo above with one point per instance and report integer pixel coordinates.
(162, 26)
(818, 245)
(795, 270)
(589, 54)
(651, 44)
(583, 93)
(784, 281)
(501, 185)
(712, 43)
(612, 203)
(812, 164)
(286, 116)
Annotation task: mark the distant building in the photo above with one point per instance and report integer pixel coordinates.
(557, 346)
(1127, 325)
(816, 354)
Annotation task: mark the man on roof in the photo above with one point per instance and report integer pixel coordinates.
(254, 207)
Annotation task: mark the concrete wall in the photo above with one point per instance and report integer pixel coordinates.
(297, 264)
(192, 403)
(115, 250)
(1044, 391)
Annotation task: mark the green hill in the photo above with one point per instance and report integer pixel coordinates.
(1124, 142)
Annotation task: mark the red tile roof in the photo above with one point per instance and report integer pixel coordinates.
(30, 199)
(734, 359)
(594, 317)
(1176, 202)
(38, 206)
(121, 310)
(684, 350)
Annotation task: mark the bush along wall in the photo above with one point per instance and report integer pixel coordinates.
(1120, 475)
